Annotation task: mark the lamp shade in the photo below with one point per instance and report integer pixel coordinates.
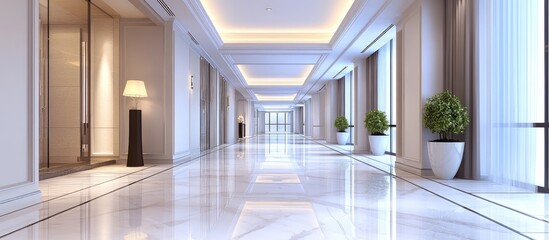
(135, 88)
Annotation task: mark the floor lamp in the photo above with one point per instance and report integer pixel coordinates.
(135, 89)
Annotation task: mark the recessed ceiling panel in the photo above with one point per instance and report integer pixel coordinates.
(276, 59)
(276, 21)
(275, 97)
(275, 75)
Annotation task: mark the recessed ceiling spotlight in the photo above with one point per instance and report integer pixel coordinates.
(268, 9)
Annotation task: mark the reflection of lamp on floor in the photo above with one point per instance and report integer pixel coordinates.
(135, 89)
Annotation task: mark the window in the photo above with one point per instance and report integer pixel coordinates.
(278, 122)
(512, 104)
(386, 89)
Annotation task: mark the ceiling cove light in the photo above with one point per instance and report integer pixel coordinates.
(294, 75)
(262, 97)
(276, 107)
(238, 21)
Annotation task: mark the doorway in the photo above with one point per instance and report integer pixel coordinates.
(72, 69)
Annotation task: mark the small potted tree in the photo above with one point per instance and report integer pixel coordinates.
(376, 122)
(342, 124)
(444, 114)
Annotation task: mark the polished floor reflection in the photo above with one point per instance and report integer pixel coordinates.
(269, 187)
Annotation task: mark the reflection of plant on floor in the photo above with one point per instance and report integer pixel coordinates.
(375, 186)
(240, 155)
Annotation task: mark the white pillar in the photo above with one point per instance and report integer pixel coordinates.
(420, 38)
(19, 100)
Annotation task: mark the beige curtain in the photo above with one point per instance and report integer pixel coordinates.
(341, 97)
(204, 104)
(459, 75)
(371, 82)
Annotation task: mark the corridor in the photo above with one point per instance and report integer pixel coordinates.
(277, 186)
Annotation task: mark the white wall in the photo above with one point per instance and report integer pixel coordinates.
(105, 89)
(19, 99)
(146, 54)
(318, 113)
(251, 128)
(432, 61)
(232, 124)
(421, 65)
(165, 59)
(182, 94)
(194, 107)
(308, 128)
(297, 120)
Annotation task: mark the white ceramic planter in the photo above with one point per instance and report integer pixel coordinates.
(445, 158)
(342, 138)
(378, 144)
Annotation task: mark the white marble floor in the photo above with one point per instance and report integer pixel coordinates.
(274, 187)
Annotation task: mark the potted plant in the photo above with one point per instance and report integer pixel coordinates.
(342, 124)
(376, 122)
(444, 114)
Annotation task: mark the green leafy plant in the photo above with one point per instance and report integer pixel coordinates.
(341, 124)
(376, 122)
(444, 114)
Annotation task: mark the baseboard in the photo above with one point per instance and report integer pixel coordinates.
(418, 171)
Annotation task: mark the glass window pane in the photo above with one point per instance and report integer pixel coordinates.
(266, 118)
(281, 118)
(272, 117)
(289, 117)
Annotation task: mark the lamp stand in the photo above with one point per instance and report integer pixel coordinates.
(135, 146)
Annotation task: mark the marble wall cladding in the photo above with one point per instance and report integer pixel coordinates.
(143, 57)
(64, 56)
(64, 144)
(104, 89)
(64, 107)
(64, 94)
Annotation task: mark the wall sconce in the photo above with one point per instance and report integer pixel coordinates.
(135, 89)
(192, 82)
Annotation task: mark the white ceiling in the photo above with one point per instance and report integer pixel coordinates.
(276, 21)
(247, 43)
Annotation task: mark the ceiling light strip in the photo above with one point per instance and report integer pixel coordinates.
(340, 71)
(378, 37)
